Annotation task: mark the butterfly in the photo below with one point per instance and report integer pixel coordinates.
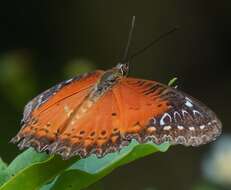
(101, 111)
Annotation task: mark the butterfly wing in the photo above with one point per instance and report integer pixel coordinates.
(131, 109)
(97, 131)
(106, 126)
(153, 111)
(46, 115)
(138, 109)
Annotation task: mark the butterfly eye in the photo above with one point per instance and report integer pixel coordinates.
(123, 68)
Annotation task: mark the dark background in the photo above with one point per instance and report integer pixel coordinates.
(44, 42)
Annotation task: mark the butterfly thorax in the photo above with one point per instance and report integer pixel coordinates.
(108, 79)
(106, 82)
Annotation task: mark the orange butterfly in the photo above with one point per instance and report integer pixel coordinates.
(102, 111)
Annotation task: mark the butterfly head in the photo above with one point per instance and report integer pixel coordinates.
(116, 73)
(122, 68)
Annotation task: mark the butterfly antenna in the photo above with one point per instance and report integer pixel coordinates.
(126, 52)
(147, 46)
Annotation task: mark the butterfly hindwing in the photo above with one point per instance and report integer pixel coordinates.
(180, 118)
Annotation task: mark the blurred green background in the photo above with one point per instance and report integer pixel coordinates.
(45, 42)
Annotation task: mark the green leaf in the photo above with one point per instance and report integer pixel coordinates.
(25, 159)
(3, 165)
(3, 174)
(32, 170)
(49, 185)
(38, 174)
(95, 186)
(87, 171)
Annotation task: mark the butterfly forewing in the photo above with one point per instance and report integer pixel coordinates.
(46, 115)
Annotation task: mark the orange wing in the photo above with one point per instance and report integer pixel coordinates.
(137, 109)
(132, 109)
(46, 115)
(105, 127)
(153, 111)
(98, 131)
